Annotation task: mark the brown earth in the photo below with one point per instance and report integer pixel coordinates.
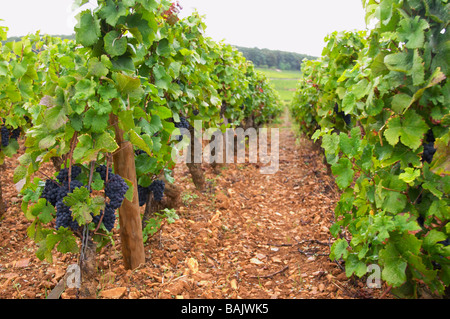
(250, 236)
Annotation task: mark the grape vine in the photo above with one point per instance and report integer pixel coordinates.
(391, 164)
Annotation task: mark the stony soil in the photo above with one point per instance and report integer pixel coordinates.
(249, 236)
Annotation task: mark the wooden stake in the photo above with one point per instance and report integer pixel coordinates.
(129, 213)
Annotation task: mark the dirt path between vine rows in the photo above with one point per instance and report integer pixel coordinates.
(248, 236)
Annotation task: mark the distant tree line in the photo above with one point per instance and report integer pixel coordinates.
(262, 58)
(265, 58)
(17, 39)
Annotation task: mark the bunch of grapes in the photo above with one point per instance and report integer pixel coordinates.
(115, 190)
(347, 118)
(143, 194)
(428, 148)
(157, 188)
(55, 192)
(64, 216)
(7, 135)
(183, 124)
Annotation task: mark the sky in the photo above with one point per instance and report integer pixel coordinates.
(287, 25)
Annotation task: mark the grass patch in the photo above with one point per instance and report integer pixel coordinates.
(284, 82)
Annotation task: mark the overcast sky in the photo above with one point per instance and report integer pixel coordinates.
(287, 25)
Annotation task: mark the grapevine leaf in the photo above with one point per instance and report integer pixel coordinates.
(78, 3)
(411, 31)
(128, 85)
(67, 242)
(141, 29)
(441, 159)
(106, 143)
(115, 43)
(344, 172)
(145, 164)
(349, 103)
(400, 102)
(394, 266)
(43, 211)
(339, 249)
(354, 265)
(149, 5)
(410, 175)
(433, 236)
(95, 122)
(130, 192)
(97, 68)
(137, 141)
(112, 12)
(410, 130)
(163, 48)
(85, 89)
(400, 62)
(87, 31)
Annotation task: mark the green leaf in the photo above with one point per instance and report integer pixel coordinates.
(43, 211)
(126, 120)
(145, 164)
(87, 31)
(410, 175)
(141, 29)
(400, 102)
(149, 5)
(67, 241)
(394, 266)
(410, 130)
(400, 62)
(97, 68)
(350, 145)
(349, 103)
(411, 31)
(130, 192)
(128, 85)
(343, 170)
(137, 141)
(354, 265)
(115, 43)
(112, 12)
(163, 48)
(95, 122)
(339, 249)
(84, 89)
(106, 143)
(55, 118)
(431, 239)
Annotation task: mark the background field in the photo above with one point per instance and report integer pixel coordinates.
(283, 81)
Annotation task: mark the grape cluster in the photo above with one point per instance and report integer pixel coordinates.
(7, 135)
(182, 124)
(115, 190)
(157, 188)
(428, 148)
(55, 192)
(143, 195)
(64, 216)
(347, 118)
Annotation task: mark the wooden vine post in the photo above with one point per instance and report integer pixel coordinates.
(129, 213)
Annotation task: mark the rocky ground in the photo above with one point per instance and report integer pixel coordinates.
(249, 236)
